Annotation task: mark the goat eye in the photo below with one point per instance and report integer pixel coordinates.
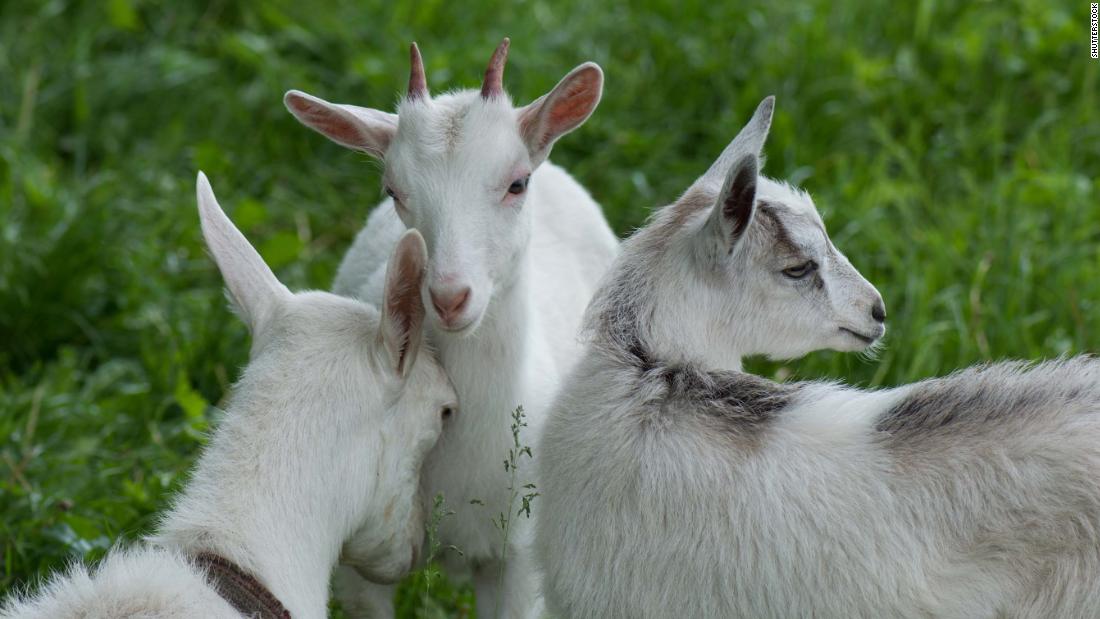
(391, 193)
(447, 412)
(800, 271)
(519, 186)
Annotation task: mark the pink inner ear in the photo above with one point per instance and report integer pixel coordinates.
(332, 124)
(574, 105)
(403, 302)
(566, 110)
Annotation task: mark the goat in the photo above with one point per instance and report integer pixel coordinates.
(516, 249)
(323, 436)
(675, 484)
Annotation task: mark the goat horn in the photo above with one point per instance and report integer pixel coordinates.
(418, 84)
(494, 75)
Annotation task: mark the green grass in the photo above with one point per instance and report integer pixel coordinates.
(954, 148)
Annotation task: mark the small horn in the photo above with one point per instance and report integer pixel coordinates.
(494, 75)
(418, 84)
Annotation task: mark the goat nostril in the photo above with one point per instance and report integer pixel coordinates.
(436, 302)
(878, 312)
(460, 301)
(449, 304)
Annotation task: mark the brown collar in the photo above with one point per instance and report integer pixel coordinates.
(240, 588)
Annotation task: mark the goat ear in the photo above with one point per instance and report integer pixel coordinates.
(736, 204)
(562, 110)
(252, 286)
(749, 141)
(351, 126)
(402, 306)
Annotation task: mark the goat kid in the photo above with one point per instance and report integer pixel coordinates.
(675, 485)
(324, 435)
(516, 249)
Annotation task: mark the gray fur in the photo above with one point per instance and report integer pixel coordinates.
(732, 402)
(992, 400)
(773, 215)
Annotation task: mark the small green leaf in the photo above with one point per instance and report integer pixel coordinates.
(249, 214)
(281, 249)
(122, 15)
(191, 401)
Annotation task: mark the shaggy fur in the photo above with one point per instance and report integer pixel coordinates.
(324, 436)
(530, 261)
(674, 489)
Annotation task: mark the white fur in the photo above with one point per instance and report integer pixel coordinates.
(324, 435)
(531, 262)
(674, 485)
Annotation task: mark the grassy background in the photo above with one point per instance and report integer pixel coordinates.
(953, 147)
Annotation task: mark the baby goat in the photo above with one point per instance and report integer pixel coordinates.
(673, 484)
(324, 435)
(516, 248)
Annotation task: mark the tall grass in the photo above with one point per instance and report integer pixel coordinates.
(954, 148)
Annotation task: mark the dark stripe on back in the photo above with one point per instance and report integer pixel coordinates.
(935, 406)
(737, 399)
(992, 399)
(737, 402)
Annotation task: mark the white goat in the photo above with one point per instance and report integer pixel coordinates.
(516, 249)
(674, 485)
(324, 436)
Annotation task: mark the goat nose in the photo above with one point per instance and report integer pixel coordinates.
(450, 303)
(878, 312)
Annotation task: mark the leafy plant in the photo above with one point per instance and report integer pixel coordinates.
(524, 493)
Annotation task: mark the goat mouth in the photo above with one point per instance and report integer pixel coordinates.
(458, 329)
(859, 336)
